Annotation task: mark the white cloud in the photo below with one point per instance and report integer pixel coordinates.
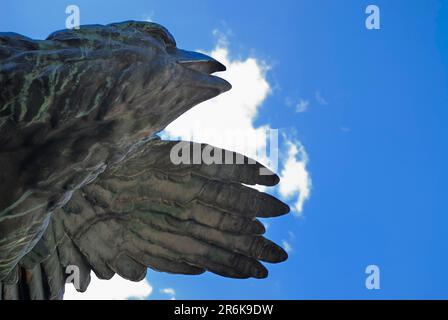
(295, 180)
(227, 120)
(116, 288)
(302, 105)
(169, 291)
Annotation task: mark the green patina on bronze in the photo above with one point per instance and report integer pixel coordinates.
(84, 181)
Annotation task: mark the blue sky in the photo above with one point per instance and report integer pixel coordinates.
(377, 145)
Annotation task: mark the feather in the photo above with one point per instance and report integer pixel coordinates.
(87, 187)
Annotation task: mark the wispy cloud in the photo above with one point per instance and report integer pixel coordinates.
(302, 106)
(287, 246)
(148, 17)
(320, 99)
(169, 291)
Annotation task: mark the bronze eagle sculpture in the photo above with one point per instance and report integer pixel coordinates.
(86, 181)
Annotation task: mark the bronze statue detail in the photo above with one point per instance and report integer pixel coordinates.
(85, 181)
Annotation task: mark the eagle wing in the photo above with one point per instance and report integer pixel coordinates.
(149, 212)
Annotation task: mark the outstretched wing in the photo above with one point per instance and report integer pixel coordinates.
(149, 212)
